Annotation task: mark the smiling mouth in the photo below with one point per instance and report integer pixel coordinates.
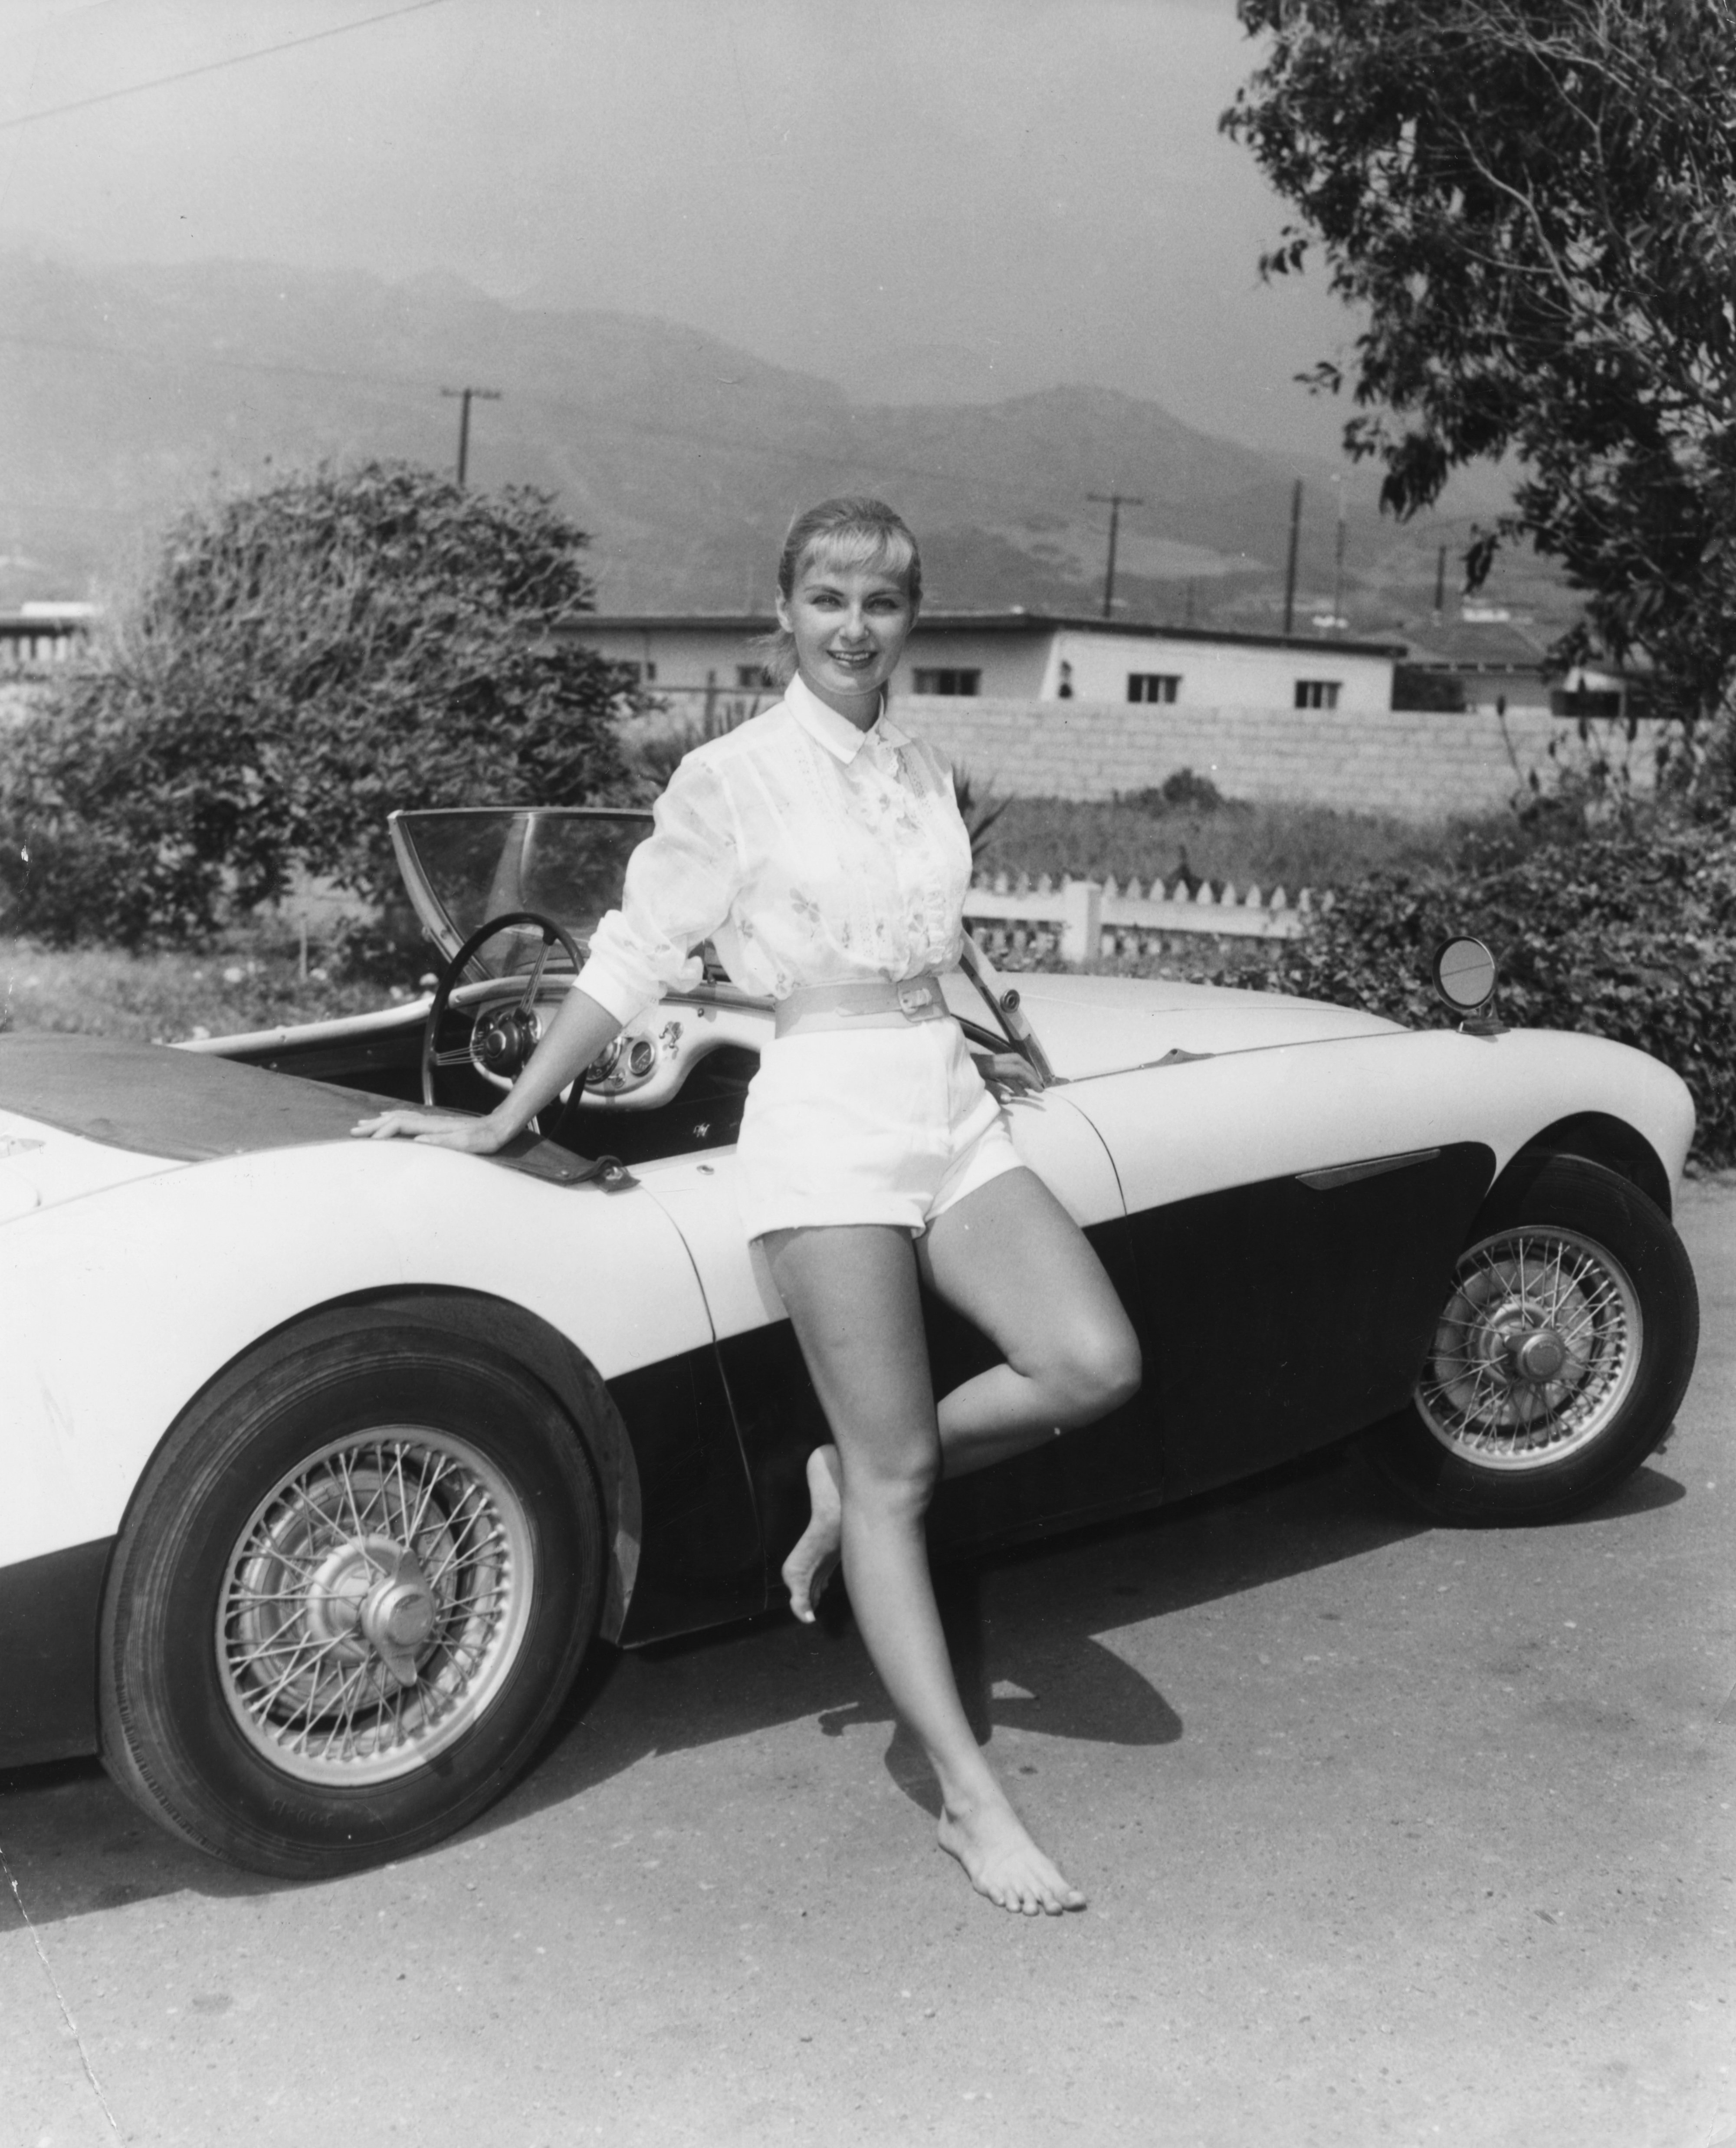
(852, 658)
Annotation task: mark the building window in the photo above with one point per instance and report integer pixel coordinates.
(1317, 692)
(1153, 685)
(1587, 701)
(755, 677)
(642, 674)
(948, 681)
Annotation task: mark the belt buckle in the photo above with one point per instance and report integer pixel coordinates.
(918, 999)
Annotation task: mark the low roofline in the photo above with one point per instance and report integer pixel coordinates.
(1014, 621)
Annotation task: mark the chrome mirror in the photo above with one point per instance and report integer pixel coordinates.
(1464, 975)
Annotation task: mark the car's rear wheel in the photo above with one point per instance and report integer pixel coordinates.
(1561, 1354)
(352, 1590)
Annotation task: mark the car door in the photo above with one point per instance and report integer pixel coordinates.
(1294, 1214)
(1111, 1465)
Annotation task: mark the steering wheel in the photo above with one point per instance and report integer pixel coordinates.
(500, 1038)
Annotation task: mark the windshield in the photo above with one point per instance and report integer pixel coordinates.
(467, 864)
(464, 865)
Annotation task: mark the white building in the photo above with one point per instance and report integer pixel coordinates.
(1019, 656)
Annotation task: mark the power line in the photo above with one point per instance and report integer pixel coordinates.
(214, 67)
(182, 362)
(781, 446)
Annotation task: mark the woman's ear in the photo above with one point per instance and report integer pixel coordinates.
(781, 605)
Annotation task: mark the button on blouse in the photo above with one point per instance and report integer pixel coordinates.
(810, 853)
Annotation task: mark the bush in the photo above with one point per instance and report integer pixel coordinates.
(1183, 791)
(302, 660)
(1626, 930)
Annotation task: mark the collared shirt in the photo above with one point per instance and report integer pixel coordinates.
(810, 853)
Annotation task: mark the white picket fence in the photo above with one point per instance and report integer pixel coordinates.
(1089, 919)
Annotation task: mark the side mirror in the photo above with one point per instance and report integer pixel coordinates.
(1464, 975)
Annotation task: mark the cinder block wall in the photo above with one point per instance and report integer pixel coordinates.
(1419, 763)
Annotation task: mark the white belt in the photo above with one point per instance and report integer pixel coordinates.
(864, 1003)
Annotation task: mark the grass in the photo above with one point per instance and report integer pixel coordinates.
(1291, 846)
(246, 982)
(250, 978)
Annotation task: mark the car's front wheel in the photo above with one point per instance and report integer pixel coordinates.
(1560, 1357)
(352, 1590)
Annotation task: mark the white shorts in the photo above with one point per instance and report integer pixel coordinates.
(870, 1125)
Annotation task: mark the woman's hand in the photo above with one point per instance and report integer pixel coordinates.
(438, 1130)
(1006, 1073)
(579, 1033)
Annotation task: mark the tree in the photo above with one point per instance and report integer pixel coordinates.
(300, 661)
(1535, 204)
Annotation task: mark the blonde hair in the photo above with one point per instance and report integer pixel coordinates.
(854, 532)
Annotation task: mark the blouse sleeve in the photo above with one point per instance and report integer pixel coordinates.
(680, 883)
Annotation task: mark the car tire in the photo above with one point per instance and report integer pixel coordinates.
(1560, 1357)
(350, 1593)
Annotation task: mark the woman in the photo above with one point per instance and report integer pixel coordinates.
(821, 849)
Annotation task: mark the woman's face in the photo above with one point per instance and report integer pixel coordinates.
(849, 624)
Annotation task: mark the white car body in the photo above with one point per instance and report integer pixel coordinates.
(131, 1276)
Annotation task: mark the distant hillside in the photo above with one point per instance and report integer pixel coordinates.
(128, 391)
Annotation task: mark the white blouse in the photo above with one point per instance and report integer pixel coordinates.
(810, 853)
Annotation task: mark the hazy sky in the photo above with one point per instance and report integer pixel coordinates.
(1002, 193)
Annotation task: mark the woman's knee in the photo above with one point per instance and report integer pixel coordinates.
(891, 1477)
(1095, 1370)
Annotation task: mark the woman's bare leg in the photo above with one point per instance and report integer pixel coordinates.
(1011, 1260)
(1014, 1262)
(851, 1292)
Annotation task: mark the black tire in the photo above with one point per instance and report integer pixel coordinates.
(277, 1685)
(1560, 1358)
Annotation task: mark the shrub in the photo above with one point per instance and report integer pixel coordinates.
(979, 810)
(1626, 930)
(301, 660)
(1183, 791)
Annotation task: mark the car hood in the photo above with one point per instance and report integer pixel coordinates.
(138, 1101)
(1105, 1025)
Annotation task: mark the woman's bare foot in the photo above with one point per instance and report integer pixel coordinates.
(1001, 1861)
(815, 1559)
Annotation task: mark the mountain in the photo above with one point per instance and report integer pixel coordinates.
(130, 391)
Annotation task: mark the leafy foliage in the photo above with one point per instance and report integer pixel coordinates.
(1625, 931)
(1533, 203)
(978, 809)
(302, 660)
(655, 750)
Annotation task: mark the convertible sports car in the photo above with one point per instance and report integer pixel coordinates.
(327, 1460)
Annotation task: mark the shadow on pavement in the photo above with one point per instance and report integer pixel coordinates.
(1024, 1627)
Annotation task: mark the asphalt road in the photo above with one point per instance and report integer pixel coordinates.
(1392, 1835)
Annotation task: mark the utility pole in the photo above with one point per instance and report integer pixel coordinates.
(1290, 567)
(1115, 502)
(1338, 566)
(1440, 583)
(465, 396)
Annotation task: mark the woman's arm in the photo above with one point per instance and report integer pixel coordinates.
(577, 1034)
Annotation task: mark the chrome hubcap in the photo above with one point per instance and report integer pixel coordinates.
(375, 1604)
(1539, 1347)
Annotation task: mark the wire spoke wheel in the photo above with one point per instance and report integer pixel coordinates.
(1538, 1349)
(357, 1580)
(376, 1601)
(1557, 1361)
